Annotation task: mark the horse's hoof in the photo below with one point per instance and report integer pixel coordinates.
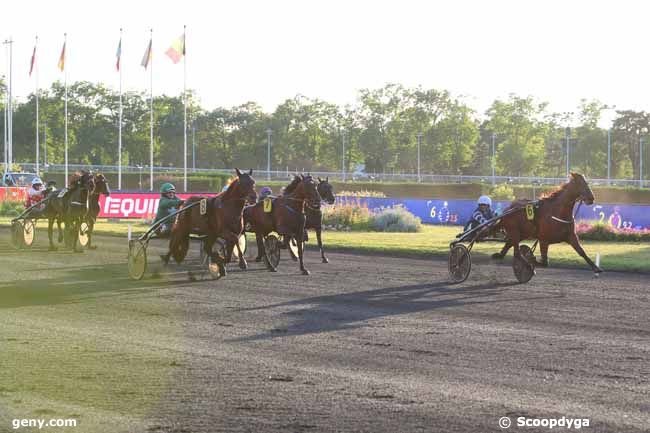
(273, 270)
(497, 256)
(305, 272)
(258, 259)
(598, 270)
(325, 260)
(92, 247)
(190, 276)
(243, 265)
(164, 259)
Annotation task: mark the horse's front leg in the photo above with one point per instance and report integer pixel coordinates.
(299, 239)
(58, 225)
(91, 227)
(50, 234)
(575, 243)
(242, 261)
(260, 247)
(503, 251)
(319, 231)
(543, 248)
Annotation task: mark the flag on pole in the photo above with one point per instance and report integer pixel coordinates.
(33, 62)
(62, 59)
(177, 50)
(146, 59)
(119, 55)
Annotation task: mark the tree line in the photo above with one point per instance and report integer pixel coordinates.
(380, 131)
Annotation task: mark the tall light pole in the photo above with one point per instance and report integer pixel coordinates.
(609, 156)
(568, 150)
(640, 161)
(193, 145)
(494, 136)
(343, 138)
(269, 132)
(419, 145)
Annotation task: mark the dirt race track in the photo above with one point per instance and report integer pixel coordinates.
(366, 343)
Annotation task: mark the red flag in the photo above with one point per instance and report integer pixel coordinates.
(33, 62)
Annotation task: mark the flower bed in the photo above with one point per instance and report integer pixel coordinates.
(605, 232)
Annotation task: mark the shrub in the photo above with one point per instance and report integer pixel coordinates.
(605, 232)
(11, 208)
(348, 216)
(502, 192)
(363, 193)
(396, 219)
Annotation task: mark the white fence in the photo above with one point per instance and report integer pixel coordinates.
(337, 175)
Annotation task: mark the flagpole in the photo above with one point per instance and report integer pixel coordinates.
(151, 114)
(119, 131)
(38, 146)
(65, 106)
(10, 154)
(184, 113)
(6, 113)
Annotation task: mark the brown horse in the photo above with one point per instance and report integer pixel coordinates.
(69, 206)
(101, 187)
(314, 213)
(287, 215)
(553, 221)
(222, 218)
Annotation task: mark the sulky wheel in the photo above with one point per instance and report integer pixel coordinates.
(28, 233)
(524, 266)
(17, 235)
(82, 238)
(460, 263)
(137, 261)
(271, 252)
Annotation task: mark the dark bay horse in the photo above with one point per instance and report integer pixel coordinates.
(287, 215)
(222, 218)
(553, 221)
(69, 206)
(101, 187)
(314, 213)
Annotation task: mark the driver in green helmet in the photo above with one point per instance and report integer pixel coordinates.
(168, 204)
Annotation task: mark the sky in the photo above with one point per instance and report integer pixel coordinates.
(268, 51)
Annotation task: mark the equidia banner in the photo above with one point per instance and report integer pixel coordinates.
(458, 212)
(434, 211)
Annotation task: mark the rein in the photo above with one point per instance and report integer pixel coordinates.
(572, 219)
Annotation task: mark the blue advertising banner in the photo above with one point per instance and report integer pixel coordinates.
(458, 212)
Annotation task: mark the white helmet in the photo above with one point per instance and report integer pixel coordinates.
(37, 181)
(484, 199)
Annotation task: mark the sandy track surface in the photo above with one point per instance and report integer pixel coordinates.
(366, 343)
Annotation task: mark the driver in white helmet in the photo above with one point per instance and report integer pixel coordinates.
(35, 194)
(481, 214)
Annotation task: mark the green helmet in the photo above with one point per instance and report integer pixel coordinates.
(167, 187)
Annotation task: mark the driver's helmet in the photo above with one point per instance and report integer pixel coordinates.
(37, 181)
(484, 199)
(266, 191)
(167, 187)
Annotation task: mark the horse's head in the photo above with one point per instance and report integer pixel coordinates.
(245, 185)
(307, 189)
(581, 188)
(101, 185)
(326, 190)
(83, 179)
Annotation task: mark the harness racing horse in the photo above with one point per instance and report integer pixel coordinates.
(315, 215)
(101, 187)
(222, 218)
(553, 221)
(70, 207)
(286, 216)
